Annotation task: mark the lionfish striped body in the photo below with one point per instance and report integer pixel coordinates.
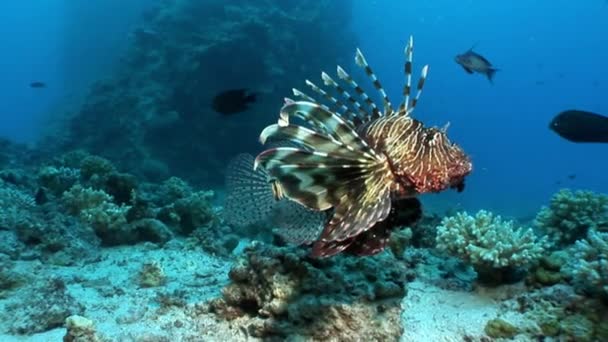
(356, 159)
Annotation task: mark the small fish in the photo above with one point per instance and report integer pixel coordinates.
(354, 158)
(581, 126)
(37, 84)
(473, 62)
(572, 176)
(233, 101)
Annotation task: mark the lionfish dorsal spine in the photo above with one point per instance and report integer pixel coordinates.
(337, 105)
(343, 75)
(355, 106)
(308, 139)
(361, 62)
(329, 123)
(407, 107)
(407, 88)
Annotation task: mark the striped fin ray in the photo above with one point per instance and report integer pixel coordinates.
(357, 190)
(360, 60)
(340, 107)
(356, 106)
(284, 119)
(359, 210)
(307, 138)
(343, 75)
(407, 106)
(419, 87)
(331, 123)
(310, 178)
(407, 88)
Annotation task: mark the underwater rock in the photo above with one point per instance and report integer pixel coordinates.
(279, 292)
(151, 275)
(45, 307)
(80, 329)
(499, 328)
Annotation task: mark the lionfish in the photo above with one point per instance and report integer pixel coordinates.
(357, 163)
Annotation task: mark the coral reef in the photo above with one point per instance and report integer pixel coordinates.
(98, 210)
(278, 292)
(589, 266)
(492, 246)
(182, 55)
(571, 214)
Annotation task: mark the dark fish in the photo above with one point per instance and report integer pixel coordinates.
(355, 159)
(41, 197)
(38, 84)
(572, 176)
(473, 62)
(581, 126)
(233, 101)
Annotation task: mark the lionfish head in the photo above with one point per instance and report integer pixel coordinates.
(440, 164)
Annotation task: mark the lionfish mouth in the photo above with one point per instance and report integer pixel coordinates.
(351, 153)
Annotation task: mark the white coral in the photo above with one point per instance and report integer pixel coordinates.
(590, 265)
(486, 240)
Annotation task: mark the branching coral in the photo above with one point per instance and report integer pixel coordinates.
(589, 266)
(492, 246)
(97, 209)
(571, 214)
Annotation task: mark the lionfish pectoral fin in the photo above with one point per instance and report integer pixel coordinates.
(250, 195)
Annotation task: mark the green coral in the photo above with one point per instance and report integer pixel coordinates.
(95, 166)
(571, 214)
(97, 209)
(187, 214)
(589, 267)
(499, 328)
(492, 246)
(58, 179)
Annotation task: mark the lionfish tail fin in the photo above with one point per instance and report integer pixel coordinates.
(249, 195)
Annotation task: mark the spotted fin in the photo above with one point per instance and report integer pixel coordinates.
(249, 197)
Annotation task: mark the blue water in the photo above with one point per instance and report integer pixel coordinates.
(517, 160)
(551, 56)
(66, 44)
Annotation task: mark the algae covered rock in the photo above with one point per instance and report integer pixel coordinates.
(80, 329)
(499, 328)
(281, 292)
